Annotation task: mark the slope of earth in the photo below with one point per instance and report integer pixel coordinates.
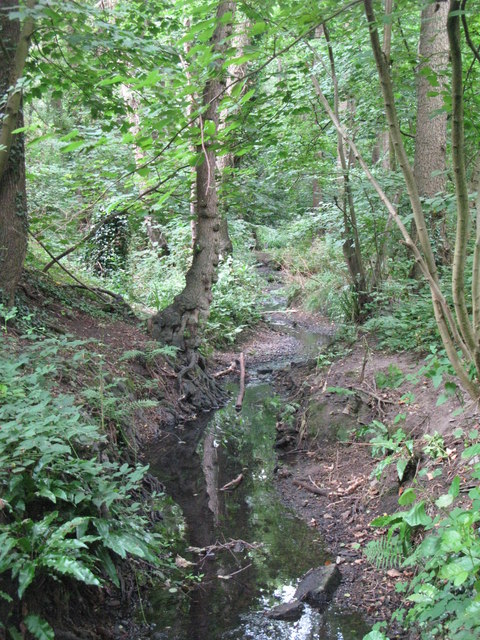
(129, 386)
(328, 475)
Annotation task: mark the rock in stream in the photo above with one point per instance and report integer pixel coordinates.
(316, 588)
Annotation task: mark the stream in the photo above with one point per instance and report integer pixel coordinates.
(272, 548)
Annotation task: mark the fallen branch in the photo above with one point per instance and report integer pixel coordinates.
(117, 297)
(81, 284)
(230, 575)
(241, 393)
(224, 546)
(225, 372)
(310, 487)
(351, 488)
(373, 395)
(233, 484)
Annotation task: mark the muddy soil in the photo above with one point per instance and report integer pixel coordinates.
(327, 475)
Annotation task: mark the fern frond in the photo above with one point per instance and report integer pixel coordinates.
(131, 355)
(385, 553)
(145, 403)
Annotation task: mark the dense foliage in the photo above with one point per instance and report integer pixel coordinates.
(114, 110)
(66, 511)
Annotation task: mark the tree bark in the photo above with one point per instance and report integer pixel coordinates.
(13, 199)
(431, 136)
(461, 189)
(178, 324)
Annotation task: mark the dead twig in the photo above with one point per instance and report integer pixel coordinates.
(371, 394)
(225, 372)
(224, 546)
(230, 575)
(351, 488)
(365, 359)
(233, 484)
(312, 488)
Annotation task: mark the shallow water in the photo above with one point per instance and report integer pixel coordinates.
(239, 584)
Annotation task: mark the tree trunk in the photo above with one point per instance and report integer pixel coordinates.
(351, 244)
(178, 324)
(431, 136)
(226, 162)
(13, 198)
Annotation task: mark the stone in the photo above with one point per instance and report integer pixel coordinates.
(288, 611)
(318, 585)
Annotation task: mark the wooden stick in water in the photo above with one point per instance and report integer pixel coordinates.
(241, 393)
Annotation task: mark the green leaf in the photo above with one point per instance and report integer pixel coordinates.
(209, 128)
(407, 497)
(38, 627)
(257, 28)
(401, 466)
(437, 379)
(472, 451)
(455, 487)
(417, 517)
(72, 146)
(5, 596)
(247, 96)
(444, 501)
(109, 566)
(25, 577)
(383, 521)
(375, 635)
(114, 80)
(459, 570)
(16, 635)
(71, 567)
(451, 541)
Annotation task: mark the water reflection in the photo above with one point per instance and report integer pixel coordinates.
(194, 465)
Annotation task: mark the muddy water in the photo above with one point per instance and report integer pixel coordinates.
(242, 582)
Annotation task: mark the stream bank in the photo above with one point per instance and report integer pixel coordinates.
(328, 450)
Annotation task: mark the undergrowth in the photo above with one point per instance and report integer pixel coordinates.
(433, 539)
(67, 511)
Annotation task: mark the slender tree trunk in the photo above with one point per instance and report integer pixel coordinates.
(456, 330)
(190, 111)
(351, 244)
(226, 162)
(461, 190)
(431, 137)
(316, 193)
(15, 40)
(178, 324)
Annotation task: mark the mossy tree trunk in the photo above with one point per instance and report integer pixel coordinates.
(15, 40)
(178, 324)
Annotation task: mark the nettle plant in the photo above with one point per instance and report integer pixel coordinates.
(65, 512)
